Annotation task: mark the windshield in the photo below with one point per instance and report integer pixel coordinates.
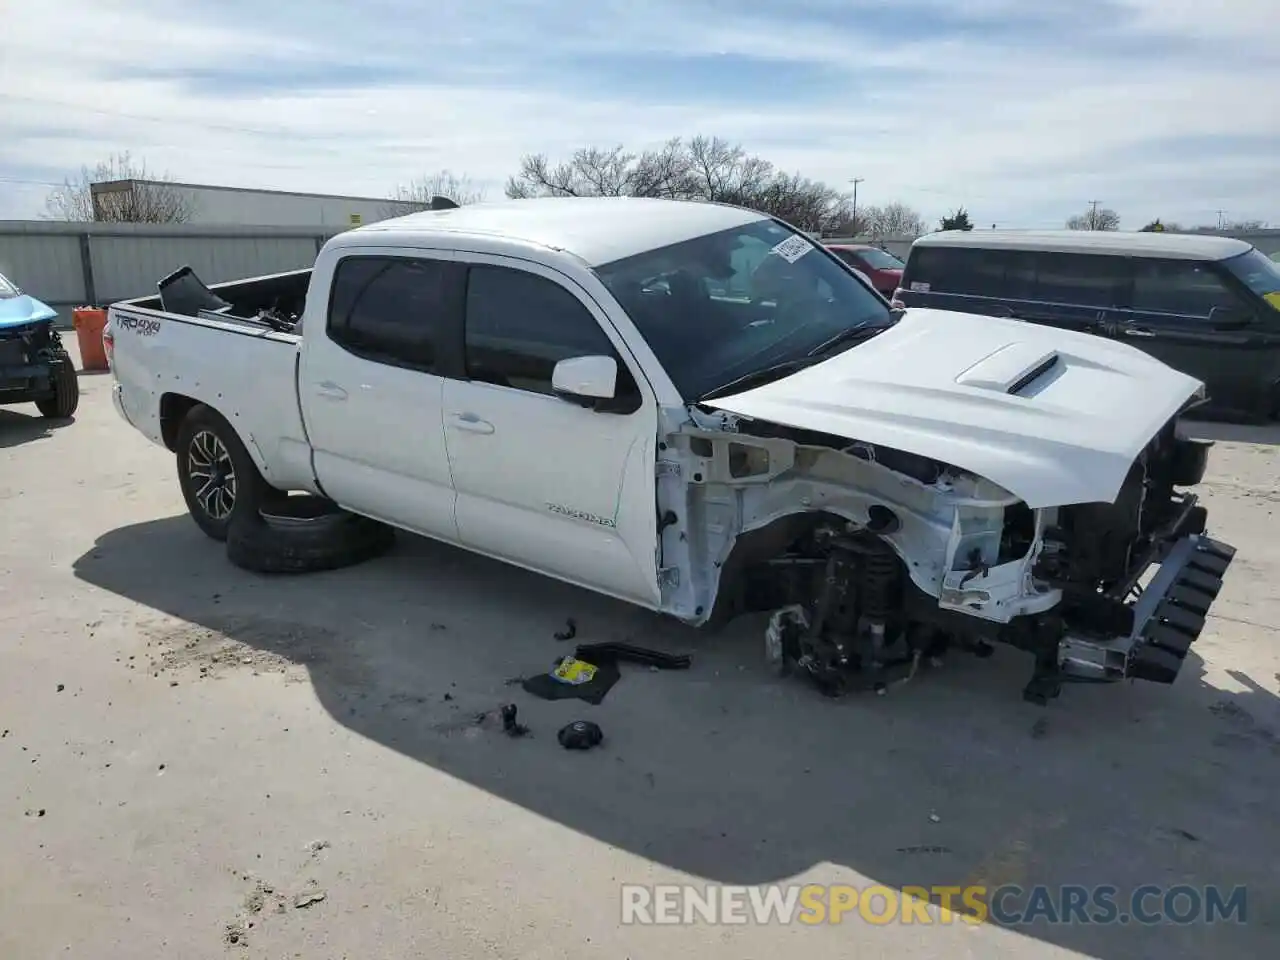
(718, 307)
(878, 259)
(7, 289)
(1258, 273)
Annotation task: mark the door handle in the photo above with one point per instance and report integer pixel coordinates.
(1138, 332)
(331, 391)
(471, 423)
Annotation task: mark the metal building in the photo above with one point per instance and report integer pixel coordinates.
(244, 207)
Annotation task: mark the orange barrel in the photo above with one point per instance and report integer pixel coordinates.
(89, 323)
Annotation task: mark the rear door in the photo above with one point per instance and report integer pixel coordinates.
(1169, 316)
(371, 386)
(1074, 291)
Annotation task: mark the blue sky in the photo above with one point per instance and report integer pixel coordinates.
(1021, 111)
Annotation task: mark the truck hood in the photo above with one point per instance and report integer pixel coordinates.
(1055, 417)
(22, 309)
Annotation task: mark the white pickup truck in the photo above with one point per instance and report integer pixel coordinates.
(697, 409)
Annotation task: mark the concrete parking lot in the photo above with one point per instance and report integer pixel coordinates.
(199, 762)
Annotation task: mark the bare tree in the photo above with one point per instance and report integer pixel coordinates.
(892, 220)
(703, 168)
(724, 172)
(136, 196)
(1095, 218)
(444, 183)
(605, 172)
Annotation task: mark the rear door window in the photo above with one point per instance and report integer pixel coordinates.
(389, 309)
(981, 273)
(1019, 281)
(1086, 280)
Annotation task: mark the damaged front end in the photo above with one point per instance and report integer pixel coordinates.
(874, 560)
(28, 353)
(1138, 575)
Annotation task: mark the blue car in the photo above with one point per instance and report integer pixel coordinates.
(34, 366)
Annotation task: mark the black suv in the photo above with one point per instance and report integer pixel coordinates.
(1206, 305)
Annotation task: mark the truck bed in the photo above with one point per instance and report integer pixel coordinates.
(166, 362)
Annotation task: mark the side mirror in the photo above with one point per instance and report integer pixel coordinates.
(585, 380)
(1230, 318)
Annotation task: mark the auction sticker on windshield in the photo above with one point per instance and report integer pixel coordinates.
(792, 248)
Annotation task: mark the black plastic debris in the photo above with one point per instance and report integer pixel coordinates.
(613, 652)
(570, 630)
(510, 726)
(574, 679)
(580, 735)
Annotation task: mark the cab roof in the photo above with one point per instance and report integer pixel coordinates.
(597, 230)
(1174, 246)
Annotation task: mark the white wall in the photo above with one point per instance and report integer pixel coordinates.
(253, 208)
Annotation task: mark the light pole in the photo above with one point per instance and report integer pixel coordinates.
(855, 181)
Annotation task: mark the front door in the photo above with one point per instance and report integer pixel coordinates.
(371, 386)
(541, 481)
(1170, 317)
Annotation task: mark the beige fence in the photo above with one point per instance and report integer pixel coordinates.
(67, 265)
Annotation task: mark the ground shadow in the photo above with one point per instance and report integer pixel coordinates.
(737, 776)
(17, 428)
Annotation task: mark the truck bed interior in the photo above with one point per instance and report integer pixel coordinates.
(277, 300)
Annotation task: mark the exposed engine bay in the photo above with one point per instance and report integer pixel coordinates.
(874, 560)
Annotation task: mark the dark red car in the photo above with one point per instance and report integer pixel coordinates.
(882, 268)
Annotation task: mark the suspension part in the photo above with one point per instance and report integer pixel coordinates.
(879, 595)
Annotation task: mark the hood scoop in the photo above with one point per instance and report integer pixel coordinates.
(1011, 369)
(1053, 416)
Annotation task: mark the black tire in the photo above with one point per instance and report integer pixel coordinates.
(305, 535)
(66, 390)
(208, 451)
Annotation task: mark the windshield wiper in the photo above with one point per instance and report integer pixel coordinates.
(759, 377)
(849, 335)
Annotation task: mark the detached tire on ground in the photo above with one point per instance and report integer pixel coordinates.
(66, 390)
(305, 535)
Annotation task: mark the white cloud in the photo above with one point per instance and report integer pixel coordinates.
(935, 103)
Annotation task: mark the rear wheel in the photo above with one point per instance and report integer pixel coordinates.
(219, 479)
(66, 389)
